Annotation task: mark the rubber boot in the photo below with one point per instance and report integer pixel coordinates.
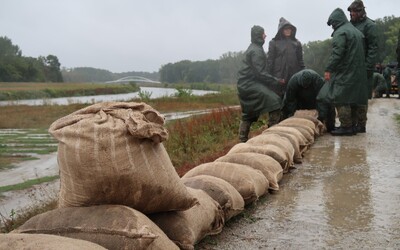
(244, 129)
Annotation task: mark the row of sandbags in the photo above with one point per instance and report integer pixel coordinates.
(119, 189)
(250, 169)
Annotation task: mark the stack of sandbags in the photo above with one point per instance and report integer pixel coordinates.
(275, 139)
(311, 115)
(221, 191)
(249, 182)
(111, 154)
(186, 228)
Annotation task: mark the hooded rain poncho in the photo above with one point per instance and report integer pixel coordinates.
(254, 81)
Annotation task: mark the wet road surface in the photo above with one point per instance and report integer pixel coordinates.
(345, 195)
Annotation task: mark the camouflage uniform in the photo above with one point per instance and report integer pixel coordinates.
(368, 28)
(346, 66)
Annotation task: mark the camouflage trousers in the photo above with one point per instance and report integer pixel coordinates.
(273, 117)
(352, 115)
(360, 116)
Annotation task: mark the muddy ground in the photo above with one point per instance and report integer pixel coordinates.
(345, 195)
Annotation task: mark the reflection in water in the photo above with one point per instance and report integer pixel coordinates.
(347, 187)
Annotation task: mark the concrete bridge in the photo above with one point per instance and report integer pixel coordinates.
(133, 79)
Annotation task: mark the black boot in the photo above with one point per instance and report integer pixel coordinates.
(244, 129)
(360, 129)
(343, 131)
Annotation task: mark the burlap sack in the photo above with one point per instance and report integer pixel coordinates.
(250, 183)
(221, 191)
(110, 226)
(266, 164)
(293, 131)
(186, 228)
(301, 122)
(109, 153)
(44, 242)
(298, 145)
(277, 140)
(307, 132)
(311, 115)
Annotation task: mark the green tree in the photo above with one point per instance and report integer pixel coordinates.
(316, 55)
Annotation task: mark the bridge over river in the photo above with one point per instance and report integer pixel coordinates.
(138, 79)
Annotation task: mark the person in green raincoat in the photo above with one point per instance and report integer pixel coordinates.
(285, 54)
(387, 74)
(301, 93)
(368, 27)
(345, 71)
(379, 85)
(253, 85)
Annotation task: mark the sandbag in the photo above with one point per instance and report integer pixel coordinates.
(44, 242)
(299, 146)
(294, 131)
(110, 226)
(221, 191)
(186, 228)
(266, 164)
(311, 115)
(301, 122)
(277, 140)
(110, 153)
(249, 182)
(274, 151)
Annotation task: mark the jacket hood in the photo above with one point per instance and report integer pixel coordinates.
(283, 23)
(257, 33)
(337, 19)
(305, 79)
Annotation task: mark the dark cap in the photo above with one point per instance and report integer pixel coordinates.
(357, 5)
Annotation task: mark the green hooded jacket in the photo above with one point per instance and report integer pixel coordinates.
(302, 91)
(254, 81)
(346, 63)
(285, 55)
(379, 83)
(368, 28)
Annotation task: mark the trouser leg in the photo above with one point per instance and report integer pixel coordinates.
(346, 128)
(244, 129)
(274, 117)
(344, 114)
(362, 111)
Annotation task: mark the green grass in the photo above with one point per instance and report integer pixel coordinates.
(28, 184)
(19, 91)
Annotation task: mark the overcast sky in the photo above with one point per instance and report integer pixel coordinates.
(133, 35)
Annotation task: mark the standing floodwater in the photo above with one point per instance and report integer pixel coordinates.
(345, 195)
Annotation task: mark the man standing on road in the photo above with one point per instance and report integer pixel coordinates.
(368, 27)
(254, 82)
(345, 72)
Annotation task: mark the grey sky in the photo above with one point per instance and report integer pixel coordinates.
(132, 35)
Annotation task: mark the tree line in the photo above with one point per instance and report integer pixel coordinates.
(17, 68)
(14, 67)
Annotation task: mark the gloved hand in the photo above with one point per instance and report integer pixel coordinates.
(369, 73)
